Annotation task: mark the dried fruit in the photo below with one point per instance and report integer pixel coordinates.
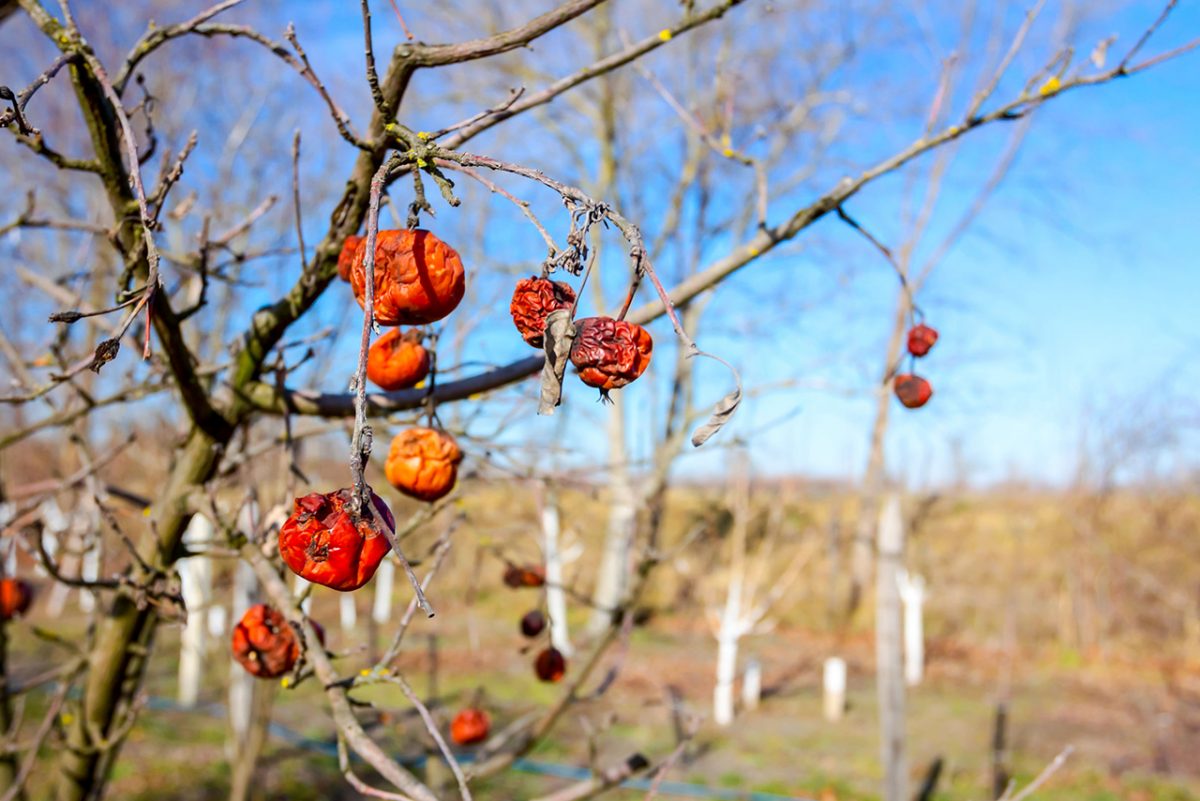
(397, 361)
(423, 463)
(15, 597)
(527, 576)
(469, 726)
(418, 278)
(346, 257)
(550, 665)
(533, 623)
(920, 339)
(610, 353)
(912, 390)
(324, 542)
(264, 644)
(532, 300)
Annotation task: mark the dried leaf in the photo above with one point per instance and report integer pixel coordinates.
(722, 413)
(559, 334)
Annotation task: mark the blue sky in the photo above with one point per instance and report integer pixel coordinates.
(1067, 311)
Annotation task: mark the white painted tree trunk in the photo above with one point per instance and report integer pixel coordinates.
(55, 525)
(347, 612)
(385, 577)
(912, 593)
(195, 575)
(556, 598)
(888, 653)
(727, 648)
(241, 683)
(613, 575)
(752, 685)
(834, 682)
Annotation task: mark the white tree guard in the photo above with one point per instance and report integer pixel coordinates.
(347, 612)
(834, 683)
(195, 575)
(385, 578)
(912, 593)
(889, 655)
(556, 597)
(752, 685)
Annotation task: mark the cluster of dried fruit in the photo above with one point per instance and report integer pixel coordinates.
(419, 279)
(550, 665)
(607, 353)
(912, 390)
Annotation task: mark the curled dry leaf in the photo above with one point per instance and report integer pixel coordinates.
(558, 338)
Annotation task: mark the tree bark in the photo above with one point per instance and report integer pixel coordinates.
(889, 653)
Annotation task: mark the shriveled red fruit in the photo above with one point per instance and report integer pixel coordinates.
(423, 463)
(397, 360)
(346, 257)
(324, 543)
(469, 726)
(524, 576)
(533, 299)
(533, 623)
(15, 597)
(610, 353)
(419, 279)
(912, 390)
(264, 644)
(921, 339)
(550, 665)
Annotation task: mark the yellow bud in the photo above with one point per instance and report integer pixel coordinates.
(728, 152)
(665, 35)
(67, 718)
(285, 682)
(1050, 86)
(423, 135)
(364, 672)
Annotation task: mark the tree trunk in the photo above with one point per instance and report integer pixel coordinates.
(556, 598)
(622, 511)
(888, 653)
(872, 484)
(125, 636)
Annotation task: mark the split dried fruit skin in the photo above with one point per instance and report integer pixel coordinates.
(419, 279)
(528, 576)
(550, 665)
(912, 390)
(533, 623)
(346, 257)
(397, 361)
(610, 353)
(322, 541)
(532, 300)
(15, 597)
(469, 726)
(921, 339)
(264, 644)
(423, 463)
